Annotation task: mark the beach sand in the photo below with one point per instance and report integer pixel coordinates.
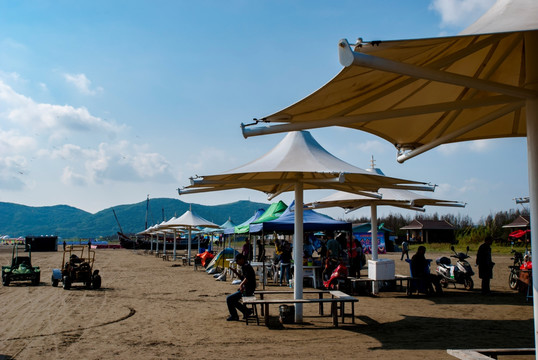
(154, 309)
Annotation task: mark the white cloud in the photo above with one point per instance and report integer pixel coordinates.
(82, 83)
(110, 162)
(11, 142)
(69, 177)
(372, 146)
(56, 120)
(209, 155)
(480, 145)
(460, 12)
(475, 146)
(13, 172)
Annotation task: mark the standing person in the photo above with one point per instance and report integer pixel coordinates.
(405, 250)
(485, 265)
(246, 288)
(285, 262)
(354, 249)
(333, 247)
(261, 252)
(247, 250)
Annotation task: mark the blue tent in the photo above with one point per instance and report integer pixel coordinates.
(312, 221)
(240, 228)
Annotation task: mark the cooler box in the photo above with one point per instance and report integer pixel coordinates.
(381, 269)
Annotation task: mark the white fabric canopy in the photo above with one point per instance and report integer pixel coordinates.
(298, 162)
(391, 197)
(188, 220)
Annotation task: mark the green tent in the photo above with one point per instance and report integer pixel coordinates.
(273, 212)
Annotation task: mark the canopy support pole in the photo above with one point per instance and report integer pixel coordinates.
(151, 242)
(349, 57)
(531, 58)
(298, 251)
(189, 248)
(375, 116)
(448, 137)
(375, 243)
(175, 246)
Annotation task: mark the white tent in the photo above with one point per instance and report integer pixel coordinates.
(391, 197)
(189, 221)
(419, 94)
(297, 163)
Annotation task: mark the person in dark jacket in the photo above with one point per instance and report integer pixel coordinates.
(420, 269)
(485, 265)
(246, 288)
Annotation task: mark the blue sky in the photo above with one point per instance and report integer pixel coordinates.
(105, 102)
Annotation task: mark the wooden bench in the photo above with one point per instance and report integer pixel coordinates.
(337, 301)
(320, 293)
(399, 280)
(362, 281)
(247, 300)
(166, 257)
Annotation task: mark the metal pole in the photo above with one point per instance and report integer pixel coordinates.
(375, 243)
(531, 58)
(298, 251)
(189, 248)
(373, 222)
(349, 57)
(175, 246)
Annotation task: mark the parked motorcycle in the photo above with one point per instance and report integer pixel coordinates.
(514, 269)
(461, 273)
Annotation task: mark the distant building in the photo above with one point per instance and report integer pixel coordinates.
(430, 231)
(522, 221)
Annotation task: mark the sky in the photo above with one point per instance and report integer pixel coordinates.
(103, 103)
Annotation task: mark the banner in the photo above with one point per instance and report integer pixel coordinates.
(366, 242)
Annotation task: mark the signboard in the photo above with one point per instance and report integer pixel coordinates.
(366, 242)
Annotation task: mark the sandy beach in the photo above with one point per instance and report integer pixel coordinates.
(154, 309)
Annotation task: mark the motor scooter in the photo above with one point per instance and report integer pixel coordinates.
(338, 279)
(461, 273)
(513, 277)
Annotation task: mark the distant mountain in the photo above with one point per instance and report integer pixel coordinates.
(69, 222)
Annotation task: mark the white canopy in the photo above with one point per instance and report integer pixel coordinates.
(189, 220)
(298, 162)
(391, 197)
(299, 157)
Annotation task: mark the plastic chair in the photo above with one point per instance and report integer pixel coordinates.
(418, 285)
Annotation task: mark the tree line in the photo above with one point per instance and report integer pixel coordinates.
(465, 230)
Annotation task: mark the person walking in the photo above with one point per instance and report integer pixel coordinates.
(485, 265)
(405, 250)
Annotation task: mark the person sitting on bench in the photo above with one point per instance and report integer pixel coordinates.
(246, 288)
(420, 269)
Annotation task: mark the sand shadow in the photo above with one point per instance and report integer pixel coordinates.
(474, 297)
(437, 333)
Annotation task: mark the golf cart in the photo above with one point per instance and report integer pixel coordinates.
(21, 268)
(77, 266)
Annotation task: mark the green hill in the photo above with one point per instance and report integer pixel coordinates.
(69, 222)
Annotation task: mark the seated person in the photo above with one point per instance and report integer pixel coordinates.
(74, 260)
(246, 288)
(420, 269)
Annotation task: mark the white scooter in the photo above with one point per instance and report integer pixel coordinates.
(461, 273)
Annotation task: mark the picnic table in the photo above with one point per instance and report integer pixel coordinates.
(338, 300)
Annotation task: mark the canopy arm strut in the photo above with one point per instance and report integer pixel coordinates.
(402, 157)
(349, 57)
(381, 115)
